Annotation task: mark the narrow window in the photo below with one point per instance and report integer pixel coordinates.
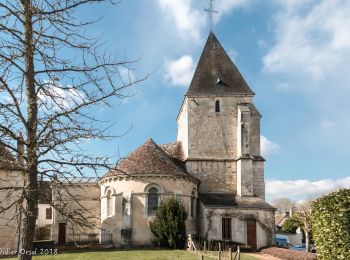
(193, 203)
(217, 106)
(49, 213)
(152, 201)
(226, 228)
(109, 203)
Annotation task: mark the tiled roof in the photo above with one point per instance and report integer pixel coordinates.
(7, 160)
(216, 66)
(280, 219)
(231, 200)
(174, 150)
(149, 158)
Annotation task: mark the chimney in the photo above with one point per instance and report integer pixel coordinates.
(20, 149)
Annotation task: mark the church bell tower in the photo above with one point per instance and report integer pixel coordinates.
(219, 127)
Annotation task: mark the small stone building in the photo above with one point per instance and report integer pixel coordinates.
(11, 177)
(214, 168)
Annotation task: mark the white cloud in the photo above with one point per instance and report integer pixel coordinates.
(327, 124)
(188, 20)
(268, 147)
(180, 72)
(224, 7)
(189, 17)
(311, 37)
(303, 189)
(310, 57)
(126, 75)
(58, 97)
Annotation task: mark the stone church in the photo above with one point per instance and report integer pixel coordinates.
(214, 168)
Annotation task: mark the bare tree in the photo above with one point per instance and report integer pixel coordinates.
(283, 205)
(52, 76)
(303, 212)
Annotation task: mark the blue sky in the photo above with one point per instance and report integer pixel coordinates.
(294, 54)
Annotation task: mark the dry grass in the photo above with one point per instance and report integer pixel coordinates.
(288, 254)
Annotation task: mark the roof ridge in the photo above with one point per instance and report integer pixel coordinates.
(149, 158)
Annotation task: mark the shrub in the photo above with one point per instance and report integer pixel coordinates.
(169, 226)
(331, 225)
(292, 223)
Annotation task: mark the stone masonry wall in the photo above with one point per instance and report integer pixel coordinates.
(214, 175)
(212, 135)
(259, 183)
(182, 130)
(209, 141)
(211, 224)
(9, 218)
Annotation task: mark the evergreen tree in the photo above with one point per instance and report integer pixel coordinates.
(169, 226)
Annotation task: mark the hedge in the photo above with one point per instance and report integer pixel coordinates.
(331, 225)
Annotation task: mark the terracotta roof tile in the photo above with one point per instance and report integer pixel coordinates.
(173, 150)
(149, 158)
(7, 160)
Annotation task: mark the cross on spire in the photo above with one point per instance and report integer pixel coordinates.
(210, 11)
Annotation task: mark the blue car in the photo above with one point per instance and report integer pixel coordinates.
(298, 247)
(302, 247)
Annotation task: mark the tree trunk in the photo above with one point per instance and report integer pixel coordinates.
(307, 241)
(31, 178)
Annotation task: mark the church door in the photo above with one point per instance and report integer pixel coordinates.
(251, 234)
(61, 233)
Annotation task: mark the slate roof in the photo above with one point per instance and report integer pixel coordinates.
(149, 158)
(215, 64)
(218, 199)
(231, 200)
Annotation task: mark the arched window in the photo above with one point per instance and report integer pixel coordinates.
(109, 203)
(217, 106)
(193, 204)
(152, 201)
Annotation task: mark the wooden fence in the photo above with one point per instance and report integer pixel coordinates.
(222, 253)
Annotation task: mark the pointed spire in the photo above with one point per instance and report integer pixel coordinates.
(216, 73)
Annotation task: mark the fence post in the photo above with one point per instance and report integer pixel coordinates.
(219, 255)
(219, 247)
(189, 242)
(205, 246)
(230, 253)
(201, 257)
(238, 253)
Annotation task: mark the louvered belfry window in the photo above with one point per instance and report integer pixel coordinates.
(152, 201)
(226, 229)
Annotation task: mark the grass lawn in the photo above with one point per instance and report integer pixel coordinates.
(129, 255)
